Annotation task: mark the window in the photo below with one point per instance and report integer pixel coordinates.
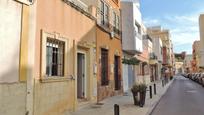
(104, 14)
(114, 19)
(104, 67)
(116, 23)
(138, 28)
(54, 57)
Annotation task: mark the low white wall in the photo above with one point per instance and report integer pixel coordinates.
(13, 99)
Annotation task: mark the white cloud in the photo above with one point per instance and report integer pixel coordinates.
(184, 38)
(151, 22)
(186, 19)
(184, 29)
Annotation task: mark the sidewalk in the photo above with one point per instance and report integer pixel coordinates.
(126, 104)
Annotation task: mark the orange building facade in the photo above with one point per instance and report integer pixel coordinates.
(108, 49)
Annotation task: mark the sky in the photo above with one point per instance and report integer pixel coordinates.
(179, 16)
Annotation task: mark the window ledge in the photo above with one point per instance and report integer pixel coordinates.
(54, 79)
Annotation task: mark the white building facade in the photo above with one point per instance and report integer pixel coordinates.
(131, 38)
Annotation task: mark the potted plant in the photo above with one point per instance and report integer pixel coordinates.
(135, 91)
(142, 92)
(139, 94)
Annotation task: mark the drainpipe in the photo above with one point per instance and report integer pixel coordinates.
(31, 59)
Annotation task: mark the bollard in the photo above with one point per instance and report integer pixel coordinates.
(116, 109)
(155, 89)
(150, 91)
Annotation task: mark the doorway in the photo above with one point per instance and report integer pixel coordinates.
(81, 75)
(117, 73)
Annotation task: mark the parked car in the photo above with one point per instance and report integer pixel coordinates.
(197, 78)
(192, 75)
(189, 75)
(202, 81)
(200, 78)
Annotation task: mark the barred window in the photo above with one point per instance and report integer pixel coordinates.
(54, 57)
(104, 67)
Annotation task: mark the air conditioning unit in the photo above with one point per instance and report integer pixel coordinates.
(112, 34)
(27, 2)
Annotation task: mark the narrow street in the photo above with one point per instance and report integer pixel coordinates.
(184, 97)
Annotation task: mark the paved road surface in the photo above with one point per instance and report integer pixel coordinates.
(184, 97)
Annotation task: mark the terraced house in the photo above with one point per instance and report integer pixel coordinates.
(51, 64)
(108, 50)
(108, 47)
(64, 56)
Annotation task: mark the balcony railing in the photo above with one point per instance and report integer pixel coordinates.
(138, 35)
(81, 7)
(80, 4)
(116, 31)
(116, 1)
(153, 56)
(110, 28)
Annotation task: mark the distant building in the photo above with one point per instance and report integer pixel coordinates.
(201, 25)
(167, 47)
(180, 62)
(187, 63)
(196, 56)
(157, 52)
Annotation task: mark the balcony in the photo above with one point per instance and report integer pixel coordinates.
(153, 59)
(152, 56)
(79, 3)
(132, 43)
(116, 31)
(89, 11)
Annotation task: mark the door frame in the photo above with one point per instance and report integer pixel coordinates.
(85, 72)
(118, 80)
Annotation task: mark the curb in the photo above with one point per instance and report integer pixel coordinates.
(157, 101)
